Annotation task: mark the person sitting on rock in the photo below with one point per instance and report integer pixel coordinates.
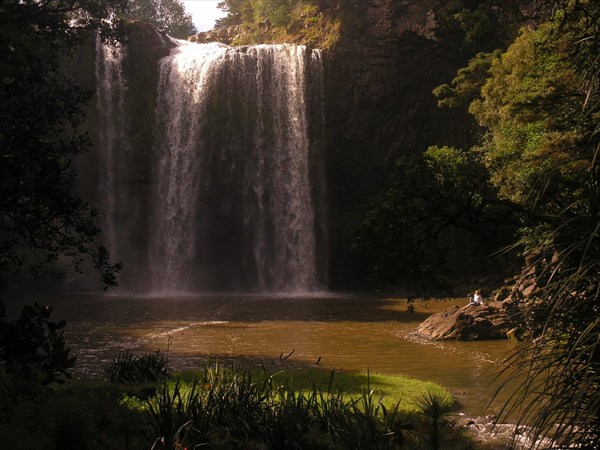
(476, 300)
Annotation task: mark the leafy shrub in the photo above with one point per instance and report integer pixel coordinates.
(33, 348)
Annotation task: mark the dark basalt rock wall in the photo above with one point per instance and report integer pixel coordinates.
(379, 80)
(379, 105)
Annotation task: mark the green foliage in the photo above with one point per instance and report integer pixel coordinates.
(402, 238)
(367, 423)
(223, 408)
(78, 415)
(275, 11)
(467, 84)
(478, 25)
(168, 16)
(33, 356)
(537, 143)
(130, 369)
(257, 11)
(234, 408)
(540, 109)
(41, 220)
(32, 348)
(436, 405)
(310, 22)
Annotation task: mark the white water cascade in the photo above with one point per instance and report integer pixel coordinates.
(112, 139)
(234, 200)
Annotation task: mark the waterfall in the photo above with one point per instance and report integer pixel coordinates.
(112, 140)
(234, 197)
(182, 95)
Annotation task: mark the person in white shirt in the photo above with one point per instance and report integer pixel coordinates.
(477, 299)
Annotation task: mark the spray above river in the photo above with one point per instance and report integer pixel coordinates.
(233, 191)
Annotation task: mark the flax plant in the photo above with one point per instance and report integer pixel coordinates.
(435, 405)
(232, 408)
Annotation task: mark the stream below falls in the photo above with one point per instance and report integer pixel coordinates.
(347, 332)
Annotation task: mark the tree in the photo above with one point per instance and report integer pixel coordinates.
(168, 16)
(467, 84)
(540, 107)
(405, 238)
(41, 220)
(276, 12)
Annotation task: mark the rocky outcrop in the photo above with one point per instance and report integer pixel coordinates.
(224, 35)
(499, 318)
(492, 435)
(469, 323)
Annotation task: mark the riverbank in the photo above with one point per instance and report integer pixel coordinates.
(222, 407)
(343, 332)
(348, 334)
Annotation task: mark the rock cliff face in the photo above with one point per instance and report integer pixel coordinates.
(379, 106)
(380, 79)
(379, 82)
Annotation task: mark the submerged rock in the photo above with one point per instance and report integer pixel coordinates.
(489, 321)
(492, 435)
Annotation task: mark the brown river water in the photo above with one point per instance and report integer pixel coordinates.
(347, 332)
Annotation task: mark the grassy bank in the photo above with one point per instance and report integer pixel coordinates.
(227, 407)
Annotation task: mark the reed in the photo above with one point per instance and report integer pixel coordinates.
(235, 408)
(129, 368)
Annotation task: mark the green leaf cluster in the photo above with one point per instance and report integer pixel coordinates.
(42, 221)
(467, 84)
(310, 22)
(404, 239)
(32, 349)
(168, 16)
(539, 110)
(537, 144)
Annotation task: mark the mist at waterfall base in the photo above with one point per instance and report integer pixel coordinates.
(229, 196)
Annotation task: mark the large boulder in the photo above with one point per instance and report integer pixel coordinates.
(489, 321)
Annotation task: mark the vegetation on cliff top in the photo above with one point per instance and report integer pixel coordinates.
(478, 25)
(167, 16)
(312, 22)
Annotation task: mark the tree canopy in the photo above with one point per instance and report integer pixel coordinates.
(538, 104)
(168, 16)
(42, 221)
(406, 238)
(312, 22)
